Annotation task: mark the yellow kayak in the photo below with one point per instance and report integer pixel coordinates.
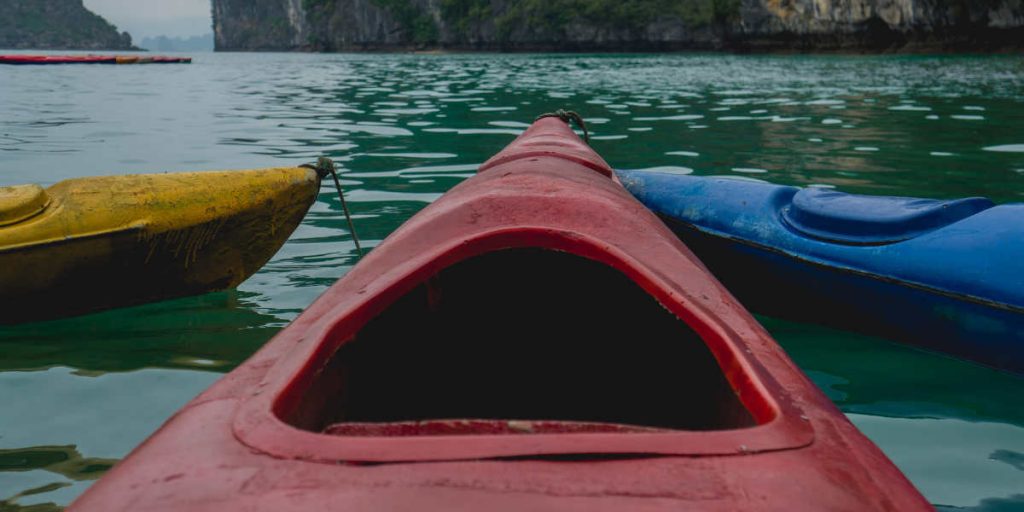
(87, 244)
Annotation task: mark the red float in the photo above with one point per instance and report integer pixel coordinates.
(91, 59)
(533, 340)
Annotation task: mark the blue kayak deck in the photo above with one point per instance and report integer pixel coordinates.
(966, 247)
(944, 275)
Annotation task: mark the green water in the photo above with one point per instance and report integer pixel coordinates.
(78, 394)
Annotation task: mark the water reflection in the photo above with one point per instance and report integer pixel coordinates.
(870, 375)
(215, 331)
(955, 428)
(43, 471)
(63, 427)
(958, 463)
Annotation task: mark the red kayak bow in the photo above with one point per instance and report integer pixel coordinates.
(533, 340)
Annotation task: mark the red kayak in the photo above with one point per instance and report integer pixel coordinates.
(533, 340)
(91, 59)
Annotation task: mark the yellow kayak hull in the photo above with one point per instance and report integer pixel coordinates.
(89, 244)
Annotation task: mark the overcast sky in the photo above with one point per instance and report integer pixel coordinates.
(148, 18)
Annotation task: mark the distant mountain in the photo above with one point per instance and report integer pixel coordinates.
(203, 43)
(57, 25)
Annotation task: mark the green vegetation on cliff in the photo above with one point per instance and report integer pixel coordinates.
(463, 15)
(551, 18)
(57, 24)
(419, 26)
(629, 15)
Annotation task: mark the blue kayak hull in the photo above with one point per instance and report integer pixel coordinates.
(740, 231)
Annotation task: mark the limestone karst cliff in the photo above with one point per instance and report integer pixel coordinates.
(619, 25)
(58, 25)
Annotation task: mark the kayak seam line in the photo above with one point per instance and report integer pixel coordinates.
(139, 226)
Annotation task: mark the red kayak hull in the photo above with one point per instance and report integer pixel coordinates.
(91, 59)
(259, 438)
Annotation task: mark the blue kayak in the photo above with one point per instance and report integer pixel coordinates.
(943, 275)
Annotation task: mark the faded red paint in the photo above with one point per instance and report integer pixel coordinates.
(229, 449)
(91, 59)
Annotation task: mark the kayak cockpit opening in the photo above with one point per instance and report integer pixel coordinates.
(522, 341)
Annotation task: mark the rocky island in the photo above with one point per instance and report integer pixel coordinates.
(57, 25)
(619, 25)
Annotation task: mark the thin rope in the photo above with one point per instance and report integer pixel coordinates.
(569, 117)
(323, 167)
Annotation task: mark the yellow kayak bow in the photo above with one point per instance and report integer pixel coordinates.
(88, 244)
